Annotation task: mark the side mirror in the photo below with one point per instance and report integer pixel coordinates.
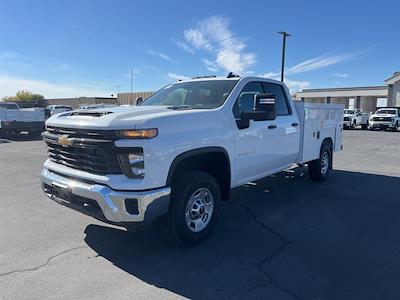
(139, 100)
(264, 108)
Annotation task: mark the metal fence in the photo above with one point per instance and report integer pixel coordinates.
(130, 98)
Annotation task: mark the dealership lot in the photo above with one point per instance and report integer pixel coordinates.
(283, 237)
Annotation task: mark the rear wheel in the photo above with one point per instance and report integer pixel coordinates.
(320, 168)
(193, 209)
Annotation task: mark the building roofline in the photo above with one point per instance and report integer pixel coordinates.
(345, 89)
(395, 74)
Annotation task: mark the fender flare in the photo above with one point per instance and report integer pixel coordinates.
(204, 150)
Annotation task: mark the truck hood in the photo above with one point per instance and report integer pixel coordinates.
(120, 117)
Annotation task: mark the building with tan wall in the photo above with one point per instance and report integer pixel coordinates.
(366, 98)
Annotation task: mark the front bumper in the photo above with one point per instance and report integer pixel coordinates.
(382, 125)
(346, 123)
(108, 205)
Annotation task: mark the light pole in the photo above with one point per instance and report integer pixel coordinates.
(284, 35)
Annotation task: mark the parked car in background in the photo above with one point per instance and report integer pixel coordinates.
(385, 118)
(14, 119)
(56, 109)
(176, 156)
(355, 117)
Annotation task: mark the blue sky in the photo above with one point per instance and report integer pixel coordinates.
(88, 48)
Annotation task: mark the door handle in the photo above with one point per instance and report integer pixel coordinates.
(295, 124)
(271, 126)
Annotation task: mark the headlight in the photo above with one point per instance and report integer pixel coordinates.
(138, 133)
(132, 163)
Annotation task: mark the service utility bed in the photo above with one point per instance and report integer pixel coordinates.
(318, 121)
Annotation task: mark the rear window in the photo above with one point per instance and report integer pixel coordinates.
(8, 106)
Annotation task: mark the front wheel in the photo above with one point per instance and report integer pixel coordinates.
(193, 209)
(395, 127)
(320, 168)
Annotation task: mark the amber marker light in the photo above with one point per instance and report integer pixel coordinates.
(138, 133)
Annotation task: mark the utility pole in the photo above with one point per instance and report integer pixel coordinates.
(284, 35)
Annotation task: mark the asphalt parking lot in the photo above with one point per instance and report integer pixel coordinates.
(283, 237)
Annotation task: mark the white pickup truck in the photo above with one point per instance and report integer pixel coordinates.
(177, 155)
(355, 117)
(14, 119)
(385, 118)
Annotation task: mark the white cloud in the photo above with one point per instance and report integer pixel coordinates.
(210, 65)
(340, 75)
(213, 34)
(184, 46)
(159, 54)
(197, 39)
(272, 75)
(320, 62)
(296, 86)
(293, 85)
(10, 85)
(177, 76)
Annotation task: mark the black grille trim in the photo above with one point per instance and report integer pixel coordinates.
(383, 119)
(92, 151)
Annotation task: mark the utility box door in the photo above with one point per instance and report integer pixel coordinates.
(318, 121)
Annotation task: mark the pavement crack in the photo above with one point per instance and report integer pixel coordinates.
(267, 259)
(53, 257)
(43, 264)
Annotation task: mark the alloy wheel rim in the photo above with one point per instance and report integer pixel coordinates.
(325, 163)
(199, 210)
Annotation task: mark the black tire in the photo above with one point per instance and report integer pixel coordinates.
(317, 168)
(353, 125)
(364, 126)
(394, 129)
(175, 225)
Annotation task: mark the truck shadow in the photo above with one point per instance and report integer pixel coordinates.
(270, 229)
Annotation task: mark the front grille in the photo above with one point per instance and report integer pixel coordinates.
(346, 119)
(383, 119)
(89, 150)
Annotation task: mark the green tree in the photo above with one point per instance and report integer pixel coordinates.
(24, 96)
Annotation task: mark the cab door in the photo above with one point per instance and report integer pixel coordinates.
(287, 126)
(265, 146)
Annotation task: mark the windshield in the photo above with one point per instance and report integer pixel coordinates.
(194, 94)
(8, 106)
(349, 111)
(386, 112)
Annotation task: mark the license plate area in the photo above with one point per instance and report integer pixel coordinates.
(61, 192)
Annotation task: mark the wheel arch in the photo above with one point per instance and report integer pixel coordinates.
(212, 160)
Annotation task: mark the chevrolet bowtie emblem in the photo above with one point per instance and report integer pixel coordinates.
(64, 140)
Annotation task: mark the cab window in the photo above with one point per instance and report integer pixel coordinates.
(245, 101)
(282, 105)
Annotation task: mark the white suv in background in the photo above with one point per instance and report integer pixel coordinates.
(355, 117)
(383, 118)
